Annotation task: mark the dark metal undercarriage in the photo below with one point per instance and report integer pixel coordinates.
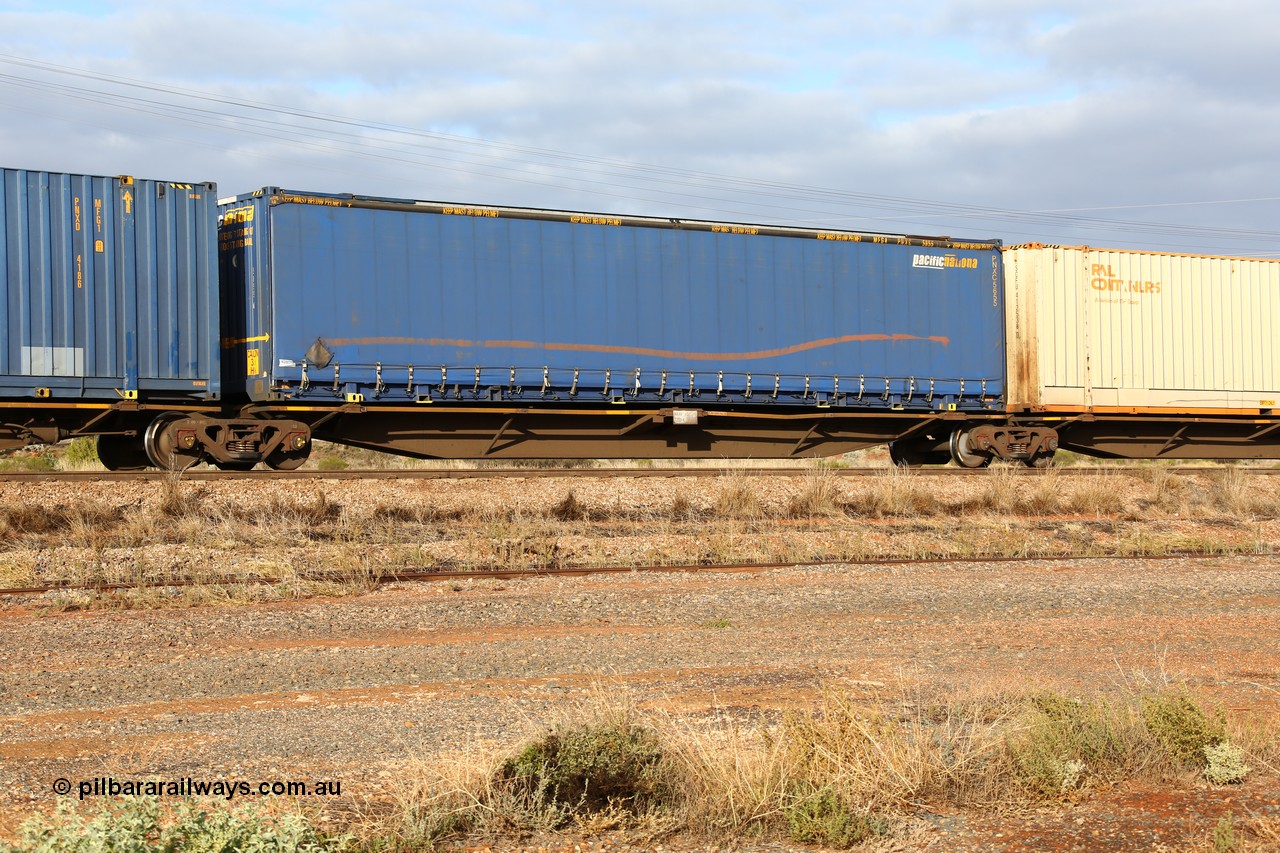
(134, 435)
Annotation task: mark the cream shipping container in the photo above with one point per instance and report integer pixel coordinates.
(1181, 340)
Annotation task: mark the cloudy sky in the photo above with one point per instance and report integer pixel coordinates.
(1131, 123)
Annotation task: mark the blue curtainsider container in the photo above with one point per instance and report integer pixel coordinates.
(391, 301)
(110, 288)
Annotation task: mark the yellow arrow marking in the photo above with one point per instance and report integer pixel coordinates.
(227, 343)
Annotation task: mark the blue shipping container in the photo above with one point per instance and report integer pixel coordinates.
(347, 297)
(111, 288)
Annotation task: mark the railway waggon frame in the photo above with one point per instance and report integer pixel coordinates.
(179, 329)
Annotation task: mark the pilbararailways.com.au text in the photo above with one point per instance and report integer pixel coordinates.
(228, 789)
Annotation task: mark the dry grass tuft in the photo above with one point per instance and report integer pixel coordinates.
(1263, 834)
(1170, 493)
(319, 512)
(177, 499)
(1240, 496)
(1097, 494)
(570, 509)
(81, 519)
(897, 492)
(681, 509)
(1230, 489)
(28, 518)
(850, 765)
(736, 499)
(999, 493)
(820, 497)
(383, 513)
(1045, 497)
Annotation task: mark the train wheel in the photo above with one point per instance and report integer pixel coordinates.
(1040, 460)
(122, 453)
(162, 445)
(963, 454)
(288, 461)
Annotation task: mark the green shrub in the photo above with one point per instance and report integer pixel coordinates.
(81, 453)
(331, 463)
(1065, 459)
(587, 770)
(1182, 727)
(1064, 741)
(39, 463)
(1224, 835)
(137, 825)
(822, 817)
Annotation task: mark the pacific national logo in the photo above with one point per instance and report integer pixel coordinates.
(943, 262)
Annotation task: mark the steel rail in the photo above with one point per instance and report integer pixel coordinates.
(437, 575)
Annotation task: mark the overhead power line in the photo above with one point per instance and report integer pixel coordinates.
(707, 191)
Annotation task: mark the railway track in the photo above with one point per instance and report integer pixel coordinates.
(205, 474)
(438, 575)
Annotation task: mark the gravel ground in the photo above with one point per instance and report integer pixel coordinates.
(363, 689)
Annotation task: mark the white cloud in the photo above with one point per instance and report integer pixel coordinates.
(1026, 104)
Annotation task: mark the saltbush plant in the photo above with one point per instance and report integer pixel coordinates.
(1065, 742)
(577, 771)
(1182, 726)
(140, 825)
(824, 817)
(1224, 764)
